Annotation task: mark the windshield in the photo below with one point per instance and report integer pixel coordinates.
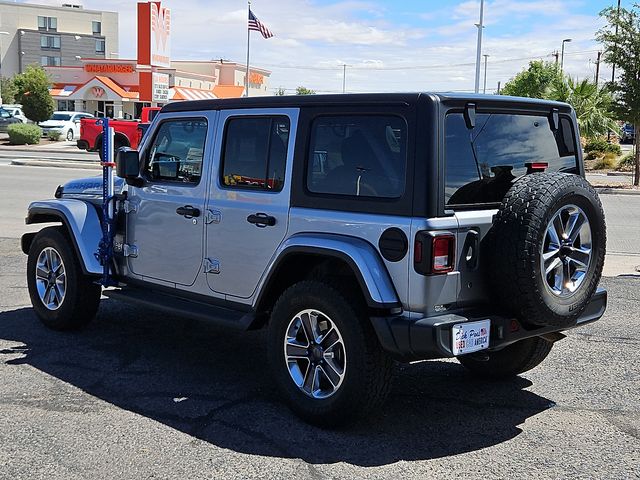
(65, 117)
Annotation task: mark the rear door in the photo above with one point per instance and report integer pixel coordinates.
(248, 208)
(481, 165)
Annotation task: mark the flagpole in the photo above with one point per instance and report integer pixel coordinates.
(246, 81)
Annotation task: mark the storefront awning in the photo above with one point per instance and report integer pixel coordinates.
(186, 93)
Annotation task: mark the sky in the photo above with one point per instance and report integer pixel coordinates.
(387, 46)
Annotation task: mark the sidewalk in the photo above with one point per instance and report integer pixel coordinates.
(45, 146)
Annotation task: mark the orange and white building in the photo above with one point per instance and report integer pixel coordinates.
(120, 88)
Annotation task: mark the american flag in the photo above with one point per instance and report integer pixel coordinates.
(254, 24)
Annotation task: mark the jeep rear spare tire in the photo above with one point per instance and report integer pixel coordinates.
(548, 247)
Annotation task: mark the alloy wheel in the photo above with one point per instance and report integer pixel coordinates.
(51, 278)
(315, 354)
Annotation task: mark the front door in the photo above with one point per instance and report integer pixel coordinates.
(249, 201)
(167, 225)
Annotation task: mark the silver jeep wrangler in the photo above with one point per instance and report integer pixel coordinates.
(359, 229)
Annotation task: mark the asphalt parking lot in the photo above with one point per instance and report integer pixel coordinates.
(139, 394)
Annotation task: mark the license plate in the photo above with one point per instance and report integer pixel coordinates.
(470, 337)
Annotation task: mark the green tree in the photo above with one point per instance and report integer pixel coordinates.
(7, 90)
(621, 40)
(32, 91)
(304, 91)
(535, 81)
(593, 105)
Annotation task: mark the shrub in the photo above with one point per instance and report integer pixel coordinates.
(53, 135)
(605, 163)
(594, 154)
(24, 134)
(602, 146)
(627, 162)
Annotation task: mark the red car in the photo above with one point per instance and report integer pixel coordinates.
(128, 133)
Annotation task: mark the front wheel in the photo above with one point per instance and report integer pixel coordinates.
(324, 355)
(512, 360)
(70, 135)
(62, 296)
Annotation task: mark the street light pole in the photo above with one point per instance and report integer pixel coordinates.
(479, 46)
(484, 87)
(566, 40)
(344, 77)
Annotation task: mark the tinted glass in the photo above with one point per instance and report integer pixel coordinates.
(255, 153)
(362, 155)
(61, 117)
(482, 163)
(177, 151)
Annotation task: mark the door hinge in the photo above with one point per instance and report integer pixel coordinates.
(130, 207)
(211, 265)
(130, 250)
(212, 216)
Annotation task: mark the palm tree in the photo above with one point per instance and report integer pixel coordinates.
(593, 105)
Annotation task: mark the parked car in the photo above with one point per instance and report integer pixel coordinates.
(67, 123)
(6, 119)
(128, 133)
(627, 133)
(357, 229)
(16, 111)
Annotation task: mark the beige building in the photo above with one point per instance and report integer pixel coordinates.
(54, 36)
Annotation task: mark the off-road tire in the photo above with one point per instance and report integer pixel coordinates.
(516, 244)
(367, 376)
(82, 296)
(512, 360)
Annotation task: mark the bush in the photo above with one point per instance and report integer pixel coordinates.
(24, 134)
(605, 163)
(627, 162)
(602, 146)
(594, 155)
(53, 135)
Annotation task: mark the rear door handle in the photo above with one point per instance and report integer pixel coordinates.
(261, 220)
(188, 211)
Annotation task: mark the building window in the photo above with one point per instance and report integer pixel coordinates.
(100, 46)
(49, 24)
(66, 105)
(47, 61)
(50, 41)
(96, 28)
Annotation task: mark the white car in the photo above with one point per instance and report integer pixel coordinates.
(16, 111)
(67, 123)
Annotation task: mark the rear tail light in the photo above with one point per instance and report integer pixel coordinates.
(536, 166)
(138, 135)
(434, 252)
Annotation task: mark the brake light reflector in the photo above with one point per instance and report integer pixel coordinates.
(434, 252)
(442, 253)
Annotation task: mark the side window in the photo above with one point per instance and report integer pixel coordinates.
(5, 114)
(363, 155)
(254, 154)
(177, 151)
(481, 164)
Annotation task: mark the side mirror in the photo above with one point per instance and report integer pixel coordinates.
(128, 166)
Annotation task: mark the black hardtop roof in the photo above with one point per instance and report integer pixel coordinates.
(295, 101)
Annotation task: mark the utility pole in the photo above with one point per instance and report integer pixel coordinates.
(498, 89)
(613, 69)
(598, 68)
(479, 46)
(557, 55)
(344, 77)
(484, 87)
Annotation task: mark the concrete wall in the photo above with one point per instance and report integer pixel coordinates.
(70, 47)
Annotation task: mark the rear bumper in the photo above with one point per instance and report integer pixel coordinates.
(430, 337)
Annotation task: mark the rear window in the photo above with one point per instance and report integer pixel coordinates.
(358, 155)
(482, 163)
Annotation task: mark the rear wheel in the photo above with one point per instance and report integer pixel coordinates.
(324, 355)
(512, 360)
(62, 296)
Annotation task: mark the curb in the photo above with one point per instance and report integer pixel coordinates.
(60, 164)
(42, 150)
(616, 191)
